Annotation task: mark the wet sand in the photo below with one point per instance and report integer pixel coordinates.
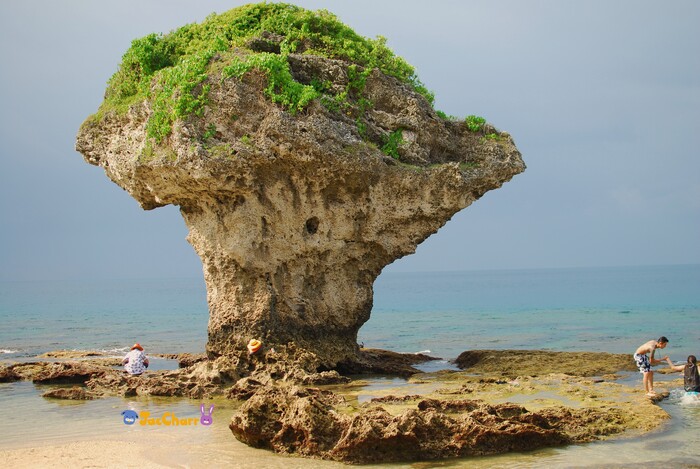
(100, 453)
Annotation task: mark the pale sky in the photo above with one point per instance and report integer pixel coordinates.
(601, 97)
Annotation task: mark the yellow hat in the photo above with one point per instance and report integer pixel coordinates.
(254, 345)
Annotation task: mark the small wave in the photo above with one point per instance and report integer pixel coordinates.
(8, 351)
(690, 398)
(422, 352)
(113, 351)
(685, 398)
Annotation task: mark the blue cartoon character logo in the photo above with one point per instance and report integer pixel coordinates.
(206, 418)
(130, 417)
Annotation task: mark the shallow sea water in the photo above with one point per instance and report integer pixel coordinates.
(571, 309)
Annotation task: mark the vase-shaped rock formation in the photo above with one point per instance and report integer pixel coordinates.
(294, 207)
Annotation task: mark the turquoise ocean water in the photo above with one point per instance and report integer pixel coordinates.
(597, 309)
(607, 309)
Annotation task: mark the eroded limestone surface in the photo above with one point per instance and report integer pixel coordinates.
(451, 414)
(512, 363)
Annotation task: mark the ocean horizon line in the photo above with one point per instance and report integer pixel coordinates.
(537, 269)
(92, 279)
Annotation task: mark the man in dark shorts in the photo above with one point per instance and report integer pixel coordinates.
(645, 362)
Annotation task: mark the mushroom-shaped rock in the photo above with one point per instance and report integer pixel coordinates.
(304, 158)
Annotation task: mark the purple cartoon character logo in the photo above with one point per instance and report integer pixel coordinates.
(206, 419)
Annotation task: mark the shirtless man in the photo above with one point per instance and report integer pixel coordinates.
(645, 363)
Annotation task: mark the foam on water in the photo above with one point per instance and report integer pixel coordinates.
(685, 398)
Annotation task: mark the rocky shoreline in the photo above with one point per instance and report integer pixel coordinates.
(499, 401)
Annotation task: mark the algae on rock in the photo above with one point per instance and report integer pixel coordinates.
(264, 126)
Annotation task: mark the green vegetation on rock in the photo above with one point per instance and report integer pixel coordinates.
(475, 123)
(392, 143)
(442, 115)
(170, 70)
(281, 86)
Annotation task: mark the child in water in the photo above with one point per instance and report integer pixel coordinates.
(691, 378)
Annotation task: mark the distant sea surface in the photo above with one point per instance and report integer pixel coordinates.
(596, 309)
(166, 316)
(605, 309)
(601, 309)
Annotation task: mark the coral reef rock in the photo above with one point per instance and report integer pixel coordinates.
(306, 422)
(75, 393)
(513, 363)
(294, 212)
